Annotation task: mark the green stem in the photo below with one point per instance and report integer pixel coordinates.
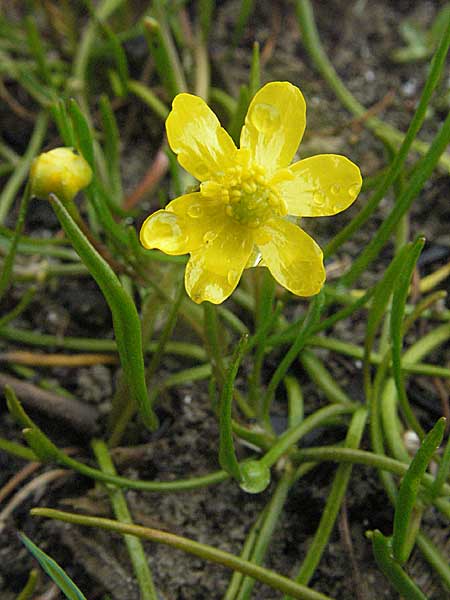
(363, 457)
(334, 501)
(30, 586)
(8, 263)
(18, 450)
(227, 454)
(148, 97)
(322, 378)
(10, 190)
(392, 570)
(122, 514)
(272, 513)
(208, 553)
(418, 179)
(320, 58)
(92, 345)
(300, 341)
(293, 435)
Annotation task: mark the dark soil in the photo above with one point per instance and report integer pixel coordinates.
(360, 37)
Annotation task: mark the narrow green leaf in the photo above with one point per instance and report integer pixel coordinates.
(83, 134)
(322, 377)
(334, 502)
(237, 121)
(28, 591)
(245, 12)
(8, 262)
(255, 72)
(9, 191)
(164, 54)
(301, 339)
(122, 514)
(400, 295)
(227, 454)
(51, 567)
(111, 146)
(37, 48)
(407, 495)
(205, 14)
(378, 308)
(203, 551)
(127, 327)
(442, 474)
(392, 570)
(58, 111)
(296, 410)
(418, 179)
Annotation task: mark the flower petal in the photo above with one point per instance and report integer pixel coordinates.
(214, 270)
(292, 256)
(321, 185)
(184, 224)
(274, 125)
(195, 134)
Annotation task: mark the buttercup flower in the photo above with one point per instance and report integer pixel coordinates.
(60, 171)
(239, 215)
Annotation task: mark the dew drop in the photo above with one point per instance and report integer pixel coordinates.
(353, 190)
(209, 237)
(195, 211)
(319, 198)
(231, 277)
(335, 189)
(265, 117)
(201, 170)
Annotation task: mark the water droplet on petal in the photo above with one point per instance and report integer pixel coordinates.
(201, 170)
(319, 198)
(265, 117)
(231, 277)
(353, 190)
(195, 211)
(335, 189)
(209, 237)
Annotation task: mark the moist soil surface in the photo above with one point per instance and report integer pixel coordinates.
(360, 37)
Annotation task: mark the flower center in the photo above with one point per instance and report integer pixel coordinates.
(248, 197)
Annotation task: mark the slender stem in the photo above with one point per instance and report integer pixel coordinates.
(314, 47)
(293, 435)
(122, 514)
(8, 263)
(418, 180)
(20, 172)
(334, 501)
(266, 529)
(209, 553)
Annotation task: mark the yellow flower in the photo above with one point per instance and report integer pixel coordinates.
(60, 171)
(238, 216)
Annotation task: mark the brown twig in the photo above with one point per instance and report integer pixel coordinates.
(38, 359)
(153, 176)
(361, 589)
(73, 412)
(14, 105)
(16, 479)
(444, 398)
(32, 486)
(375, 109)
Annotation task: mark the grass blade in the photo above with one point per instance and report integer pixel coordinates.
(51, 567)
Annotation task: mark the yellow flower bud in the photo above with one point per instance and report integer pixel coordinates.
(61, 171)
